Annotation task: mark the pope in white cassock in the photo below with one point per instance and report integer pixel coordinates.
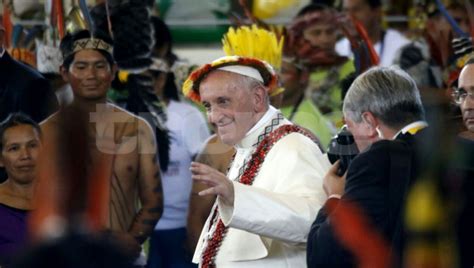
(273, 190)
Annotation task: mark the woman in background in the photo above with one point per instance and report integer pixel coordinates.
(20, 142)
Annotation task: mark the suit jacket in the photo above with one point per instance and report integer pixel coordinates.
(270, 220)
(24, 89)
(463, 167)
(377, 183)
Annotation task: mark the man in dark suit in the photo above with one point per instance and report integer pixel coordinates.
(361, 222)
(22, 89)
(464, 97)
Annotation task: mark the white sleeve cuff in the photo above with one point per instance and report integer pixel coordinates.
(226, 212)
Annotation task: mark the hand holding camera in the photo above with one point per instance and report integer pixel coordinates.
(342, 147)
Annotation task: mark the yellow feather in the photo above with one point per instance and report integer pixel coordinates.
(254, 42)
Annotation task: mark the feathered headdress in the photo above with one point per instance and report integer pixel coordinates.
(251, 51)
(246, 66)
(254, 42)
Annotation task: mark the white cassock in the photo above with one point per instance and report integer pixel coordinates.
(270, 220)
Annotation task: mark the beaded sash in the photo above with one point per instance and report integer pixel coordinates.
(213, 244)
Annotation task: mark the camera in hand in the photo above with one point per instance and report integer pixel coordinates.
(342, 147)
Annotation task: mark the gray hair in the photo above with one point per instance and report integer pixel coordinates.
(250, 83)
(387, 92)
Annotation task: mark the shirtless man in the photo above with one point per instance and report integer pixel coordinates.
(127, 139)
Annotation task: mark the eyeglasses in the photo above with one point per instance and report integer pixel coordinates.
(460, 95)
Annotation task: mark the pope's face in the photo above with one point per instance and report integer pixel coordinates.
(230, 107)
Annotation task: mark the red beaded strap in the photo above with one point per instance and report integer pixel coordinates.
(247, 178)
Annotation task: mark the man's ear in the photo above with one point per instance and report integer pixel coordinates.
(114, 70)
(371, 121)
(260, 98)
(64, 73)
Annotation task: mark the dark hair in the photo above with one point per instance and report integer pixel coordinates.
(329, 3)
(67, 42)
(456, 6)
(346, 83)
(16, 119)
(99, 16)
(374, 3)
(162, 36)
(312, 7)
(162, 33)
(171, 91)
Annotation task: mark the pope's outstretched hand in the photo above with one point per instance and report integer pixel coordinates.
(219, 184)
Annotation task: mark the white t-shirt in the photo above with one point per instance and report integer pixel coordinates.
(188, 131)
(387, 50)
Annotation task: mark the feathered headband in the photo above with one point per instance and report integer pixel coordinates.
(251, 67)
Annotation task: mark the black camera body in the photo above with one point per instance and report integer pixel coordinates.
(342, 147)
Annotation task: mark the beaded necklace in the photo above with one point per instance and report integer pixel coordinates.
(247, 178)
